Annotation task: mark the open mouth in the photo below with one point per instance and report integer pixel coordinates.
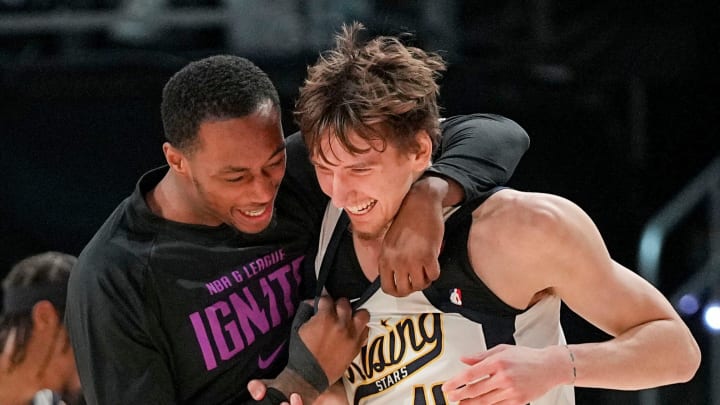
(255, 213)
(361, 208)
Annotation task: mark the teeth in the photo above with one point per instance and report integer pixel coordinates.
(358, 209)
(254, 213)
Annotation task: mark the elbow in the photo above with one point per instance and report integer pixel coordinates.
(692, 362)
(687, 361)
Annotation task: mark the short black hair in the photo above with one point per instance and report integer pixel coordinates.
(214, 88)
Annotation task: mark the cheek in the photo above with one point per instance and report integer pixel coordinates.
(325, 181)
(220, 197)
(277, 175)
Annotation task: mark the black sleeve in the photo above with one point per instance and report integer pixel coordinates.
(479, 151)
(108, 327)
(301, 185)
(300, 180)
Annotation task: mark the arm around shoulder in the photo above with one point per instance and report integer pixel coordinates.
(479, 151)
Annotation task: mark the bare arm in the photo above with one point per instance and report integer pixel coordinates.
(651, 346)
(546, 243)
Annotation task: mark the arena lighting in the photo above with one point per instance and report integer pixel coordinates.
(702, 288)
(688, 304)
(711, 316)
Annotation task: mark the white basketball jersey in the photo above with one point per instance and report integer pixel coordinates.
(414, 345)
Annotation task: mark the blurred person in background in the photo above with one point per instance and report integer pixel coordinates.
(36, 360)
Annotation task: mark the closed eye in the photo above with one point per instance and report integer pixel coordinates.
(360, 170)
(276, 163)
(321, 168)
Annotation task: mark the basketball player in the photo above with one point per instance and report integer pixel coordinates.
(488, 329)
(189, 288)
(36, 360)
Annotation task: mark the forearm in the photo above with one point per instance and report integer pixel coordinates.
(335, 395)
(656, 353)
(479, 152)
(438, 189)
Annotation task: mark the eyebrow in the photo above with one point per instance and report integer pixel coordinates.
(360, 164)
(235, 169)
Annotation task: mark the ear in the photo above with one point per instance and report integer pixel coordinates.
(423, 153)
(175, 158)
(45, 317)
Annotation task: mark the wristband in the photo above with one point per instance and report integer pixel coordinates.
(301, 360)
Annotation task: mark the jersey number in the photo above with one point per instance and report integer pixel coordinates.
(437, 396)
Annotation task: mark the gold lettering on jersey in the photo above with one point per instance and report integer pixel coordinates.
(407, 346)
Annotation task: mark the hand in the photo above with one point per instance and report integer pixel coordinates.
(334, 335)
(258, 388)
(408, 259)
(511, 375)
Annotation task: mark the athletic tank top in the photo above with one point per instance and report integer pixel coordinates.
(415, 342)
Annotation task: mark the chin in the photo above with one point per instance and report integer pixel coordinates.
(251, 229)
(255, 227)
(370, 234)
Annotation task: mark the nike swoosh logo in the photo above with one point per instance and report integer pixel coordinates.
(266, 362)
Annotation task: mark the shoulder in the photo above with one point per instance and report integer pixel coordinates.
(523, 208)
(529, 220)
(116, 255)
(537, 239)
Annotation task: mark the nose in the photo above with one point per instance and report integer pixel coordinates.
(263, 189)
(338, 193)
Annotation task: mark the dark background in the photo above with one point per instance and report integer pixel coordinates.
(620, 100)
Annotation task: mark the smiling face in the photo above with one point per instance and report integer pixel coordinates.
(235, 171)
(369, 186)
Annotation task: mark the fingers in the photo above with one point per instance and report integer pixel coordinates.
(480, 356)
(343, 310)
(470, 388)
(402, 274)
(361, 318)
(402, 283)
(295, 399)
(387, 283)
(257, 389)
(341, 313)
(358, 319)
(325, 304)
(431, 271)
(478, 372)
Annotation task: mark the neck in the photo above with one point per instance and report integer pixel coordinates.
(170, 200)
(367, 252)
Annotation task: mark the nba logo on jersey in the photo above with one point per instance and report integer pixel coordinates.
(456, 296)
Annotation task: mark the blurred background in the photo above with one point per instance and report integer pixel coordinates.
(620, 100)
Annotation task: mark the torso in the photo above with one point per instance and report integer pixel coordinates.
(214, 303)
(415, 342)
